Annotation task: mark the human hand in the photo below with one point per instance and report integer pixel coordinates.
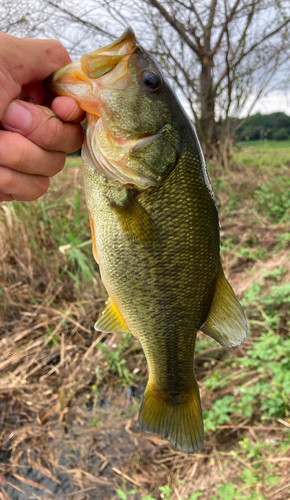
(34, 142)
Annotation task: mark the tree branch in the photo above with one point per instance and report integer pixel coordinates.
(192, 7)
(169, 54)
(262, 88)
(255, 45)
(251, 49)
(77, 19)
(177, 26)
(211, 15)
(209, 25)
(225, 26)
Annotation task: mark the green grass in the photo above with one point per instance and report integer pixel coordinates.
(263, 154)
(265, 145)
(59, 232)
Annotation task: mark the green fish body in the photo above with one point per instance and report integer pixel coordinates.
(155, 228)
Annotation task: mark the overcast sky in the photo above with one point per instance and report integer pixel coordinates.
(276, 101)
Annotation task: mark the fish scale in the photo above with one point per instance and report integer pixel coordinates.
(163, 272)
(154, 226)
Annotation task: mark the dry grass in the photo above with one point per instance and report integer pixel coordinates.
(68, 413)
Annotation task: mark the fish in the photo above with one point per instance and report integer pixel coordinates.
(155, 228)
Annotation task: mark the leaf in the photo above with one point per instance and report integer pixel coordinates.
(166, 490)
(121, 494)
(195, 496)
(227, 491)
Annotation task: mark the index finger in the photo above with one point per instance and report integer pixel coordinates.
(24, 61)
(31, 60)
(41, 126)
(67, 109)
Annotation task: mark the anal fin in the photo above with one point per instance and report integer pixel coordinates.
(111, 320)
(226, 322)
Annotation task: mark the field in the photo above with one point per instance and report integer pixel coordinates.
(69, 396)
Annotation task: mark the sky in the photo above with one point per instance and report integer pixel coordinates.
(275, 101)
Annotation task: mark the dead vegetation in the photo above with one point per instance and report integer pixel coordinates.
(69, 395)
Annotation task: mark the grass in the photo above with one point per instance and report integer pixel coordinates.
(69, 396)
(265, 145)
(263, 154)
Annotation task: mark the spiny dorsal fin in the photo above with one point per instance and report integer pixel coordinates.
(111, 320)
(226, 322)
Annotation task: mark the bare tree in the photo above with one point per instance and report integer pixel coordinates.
(222, 55)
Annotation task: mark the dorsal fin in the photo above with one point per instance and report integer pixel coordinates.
(111, 320)
(226, 322)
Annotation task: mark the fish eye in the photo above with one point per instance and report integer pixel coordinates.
(150, 80)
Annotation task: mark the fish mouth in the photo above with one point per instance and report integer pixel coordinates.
(91, 69)
(91, 81)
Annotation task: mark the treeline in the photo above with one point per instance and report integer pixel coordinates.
(275, 126)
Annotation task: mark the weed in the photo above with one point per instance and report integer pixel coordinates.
(95, 422)
(259, 253)
(269, 390)
(115, 363)
(283, 241)
(50, 338)
(219, 414)
(124, 496)
(165, 493)
(252, 252)
(268, 302)
(270, 356)
(274, 198)
(226, 491)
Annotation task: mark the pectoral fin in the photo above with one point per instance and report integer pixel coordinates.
(111, 320)
(226, 322)
(136, 223)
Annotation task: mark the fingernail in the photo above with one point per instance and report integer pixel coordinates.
(72, 113)
(16, 117)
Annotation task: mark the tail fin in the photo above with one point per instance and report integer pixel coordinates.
(180, 423)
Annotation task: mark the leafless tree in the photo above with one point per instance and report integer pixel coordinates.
(222, 55)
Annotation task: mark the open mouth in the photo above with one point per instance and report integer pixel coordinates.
(92, 68)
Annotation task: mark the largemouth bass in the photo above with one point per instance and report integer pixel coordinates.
(155, 228)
